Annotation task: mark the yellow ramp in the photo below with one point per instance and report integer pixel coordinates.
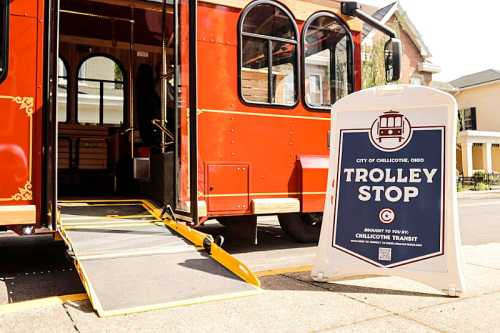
(131, 260)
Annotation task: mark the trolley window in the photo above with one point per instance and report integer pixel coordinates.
(328, 62)
(268, 56)
(62, 91)
(4, 38)
(100, 92)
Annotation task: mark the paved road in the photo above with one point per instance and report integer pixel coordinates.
(479, 221)
(37, 267)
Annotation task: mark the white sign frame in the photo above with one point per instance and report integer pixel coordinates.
(425, 107)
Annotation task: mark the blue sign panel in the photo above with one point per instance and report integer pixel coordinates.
(389, 207)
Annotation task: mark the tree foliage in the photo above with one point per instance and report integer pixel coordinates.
(373, 65)
(373, 68)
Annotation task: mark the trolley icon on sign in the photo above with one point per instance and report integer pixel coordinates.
(391, 126)
(391, 131)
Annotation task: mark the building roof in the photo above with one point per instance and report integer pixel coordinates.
(444, 86)
(377, 13)
(475, 79)
(385, 13)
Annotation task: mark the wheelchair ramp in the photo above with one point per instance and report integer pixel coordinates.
(131, 260)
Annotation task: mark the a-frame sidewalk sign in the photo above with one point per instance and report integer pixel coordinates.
(391, 206)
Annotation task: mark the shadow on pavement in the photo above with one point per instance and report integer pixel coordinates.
(35, 267)
(303, 282)
(269, 233)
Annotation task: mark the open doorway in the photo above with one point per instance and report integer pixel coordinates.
(116, 115)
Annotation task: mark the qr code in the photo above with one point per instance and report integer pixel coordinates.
(384, 254)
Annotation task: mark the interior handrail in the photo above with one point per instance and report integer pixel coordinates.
(161, 127)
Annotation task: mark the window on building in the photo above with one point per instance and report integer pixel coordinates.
(62, 91)
(316, 95)
(328, 52)
(467, 119)
(4, 38)
(268, 55)
(100, 92)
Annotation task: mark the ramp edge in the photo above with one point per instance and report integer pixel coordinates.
(197, 238)
(187, 302)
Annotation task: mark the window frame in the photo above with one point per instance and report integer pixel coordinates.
(125, 89)
(4, 43)
(470, 118)
(350, 60)
(65, 64)
(270, 40)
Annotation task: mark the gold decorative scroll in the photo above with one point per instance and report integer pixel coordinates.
(24, 193)
(26, 105)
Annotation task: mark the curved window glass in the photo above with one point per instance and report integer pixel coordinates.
(328, 60)
(100, 92)
(268, 55)
(62, 91)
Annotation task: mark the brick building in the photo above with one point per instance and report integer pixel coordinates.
(417, 67)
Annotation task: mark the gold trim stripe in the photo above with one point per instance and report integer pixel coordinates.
(93, 226)
(257, 114)
(192, 301)
(260, 194)
(111, 18)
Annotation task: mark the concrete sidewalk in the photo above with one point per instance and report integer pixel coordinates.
(491, 194)
(294, 303)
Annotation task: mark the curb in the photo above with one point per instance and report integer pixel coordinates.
(479, 194)
(54, 300)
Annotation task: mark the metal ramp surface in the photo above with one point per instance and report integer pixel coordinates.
(131, 260)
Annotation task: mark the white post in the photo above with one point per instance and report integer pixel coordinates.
(487, 159)
(467, 159)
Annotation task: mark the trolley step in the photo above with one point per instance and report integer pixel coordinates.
(131, 260)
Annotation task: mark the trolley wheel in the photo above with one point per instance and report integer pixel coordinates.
(302, 227)
(243, 228)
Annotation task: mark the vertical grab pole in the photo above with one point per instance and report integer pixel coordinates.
(50, 116)
(193, 111)
(101, 102)
(164, 101)
(175, 171)
(131, 82)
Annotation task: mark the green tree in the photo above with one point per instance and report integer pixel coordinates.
(373, 68)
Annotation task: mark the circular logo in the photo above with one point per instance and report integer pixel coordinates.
(391, 131)
(386, 216)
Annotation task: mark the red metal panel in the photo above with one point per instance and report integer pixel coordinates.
(234, 132)
(226, 179)
(314, 177)
(356, 36)
(26, 8)
(19, 143)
